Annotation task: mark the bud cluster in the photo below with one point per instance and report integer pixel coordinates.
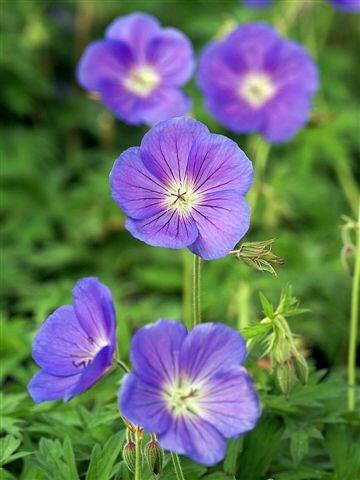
(152, 452)
(259, 255)
(287, 361)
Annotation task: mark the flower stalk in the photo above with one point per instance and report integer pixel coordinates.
(354, 315)
(196, 290)
(177, 466)
(186, 294)
(138, 438)
(261, 151)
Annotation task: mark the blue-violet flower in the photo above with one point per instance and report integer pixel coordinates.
(190, 388)
(184, 187)
(138, 69)
(75, 345)
(254, 80)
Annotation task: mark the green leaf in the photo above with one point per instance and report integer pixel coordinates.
(102, 460)
(343, 446)
(94, 470)
(8, 445)
(234, 447)
(268, 309)
(259, 448)
(70, 459)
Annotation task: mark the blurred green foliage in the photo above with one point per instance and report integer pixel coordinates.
(59, 224)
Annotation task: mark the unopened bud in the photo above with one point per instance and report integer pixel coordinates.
(154, 455)
(301, 368)
(282, 351)
(285, 375)
(129, 454)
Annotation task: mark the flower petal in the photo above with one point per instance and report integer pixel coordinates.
(134, 188)
(60, 338)
(167, 229)
(165, 148)
(208, 348)
(94, 308)
(143, 404)
(214, 74)
(103, 60)
(286, 114)
(92, 373)
(191, 436)
(230, 403)
(136, 29)
(172, 54)
(155, 350)
(290, 64)
(217, 163)
(222, 219)
(44, 387)
(164, 103)
(252, 41)
(124, 104)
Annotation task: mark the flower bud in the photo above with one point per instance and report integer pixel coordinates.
(154, 455)
(301, 368)
(285, 375)
(282, 350)
(129, 454)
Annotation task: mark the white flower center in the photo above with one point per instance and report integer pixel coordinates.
(182, 197)
(86, 354)
(142, 80)
(257, 89)
(183, 398)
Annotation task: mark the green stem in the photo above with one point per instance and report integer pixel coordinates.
(348, 185)
(196, 290)
(261, 150)
(177, 466)
(187, 272)
(354, 324)
(137, 456)
(243, 301)
(122, 365)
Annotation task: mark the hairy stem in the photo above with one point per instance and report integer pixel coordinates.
(261, 150)
(354, 324)
(137, 456)
(122, 365)
(177, 466)
(196, 290)
(187, 272)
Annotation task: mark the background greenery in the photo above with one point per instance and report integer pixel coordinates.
(60, 224)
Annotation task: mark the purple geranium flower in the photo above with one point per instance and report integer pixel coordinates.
(254, 80)
(184, 187)
(190, 388)
(75, 345)
(346, 5)
(138, 69)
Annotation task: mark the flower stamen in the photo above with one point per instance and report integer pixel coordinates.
(142, 80)
(257, 89)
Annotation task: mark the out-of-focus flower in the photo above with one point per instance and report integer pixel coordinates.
(75, 345)
(346, 5)
(138, 69)
(190, 388)
(184, 187)
(254, 80)
(257, 3)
